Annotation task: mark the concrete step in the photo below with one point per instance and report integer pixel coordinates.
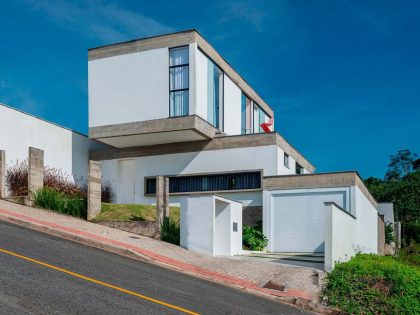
(307, 257)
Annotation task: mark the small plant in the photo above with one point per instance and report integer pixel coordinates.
(253, 238)
(52, 199)
(170, 231)
(17, 179)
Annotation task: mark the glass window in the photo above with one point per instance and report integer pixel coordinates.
(286, 160)
(299, 168)
(212, 182)
(246, 115)
(256, 115)
(214, 95)
(178, 82)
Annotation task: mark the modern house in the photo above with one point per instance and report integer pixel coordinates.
(170, 105)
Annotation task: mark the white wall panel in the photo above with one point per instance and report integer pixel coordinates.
(128, 88)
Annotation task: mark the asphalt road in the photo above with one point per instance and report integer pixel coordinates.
(42, 274)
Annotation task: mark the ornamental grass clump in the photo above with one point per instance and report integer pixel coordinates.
(52, 199)
(170, 231)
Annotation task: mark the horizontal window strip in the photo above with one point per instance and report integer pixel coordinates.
(206, 183)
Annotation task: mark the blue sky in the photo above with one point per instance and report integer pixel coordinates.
(342, 76)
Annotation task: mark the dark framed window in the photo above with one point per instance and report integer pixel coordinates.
(299, 168)
(178, 81)
(286, 160)
(210, 182)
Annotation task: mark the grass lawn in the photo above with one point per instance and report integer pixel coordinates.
(124, 212)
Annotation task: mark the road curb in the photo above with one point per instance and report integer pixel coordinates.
(294, 297)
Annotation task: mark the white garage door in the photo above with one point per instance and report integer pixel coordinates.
(298, 220)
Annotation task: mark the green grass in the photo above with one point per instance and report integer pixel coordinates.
(372, 284)
(136, 212)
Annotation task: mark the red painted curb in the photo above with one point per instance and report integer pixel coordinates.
(164, 259)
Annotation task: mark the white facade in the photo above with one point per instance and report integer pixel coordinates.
(263, 158)
(135, 87)
(211, 224)
(128, 88)
(64, 149)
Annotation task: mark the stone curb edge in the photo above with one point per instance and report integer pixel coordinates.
(294, 297)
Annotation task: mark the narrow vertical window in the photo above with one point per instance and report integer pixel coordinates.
(256, 120)
(214, 95)
(178, 82)
(286, 160)
(299, 168)
(246, 120)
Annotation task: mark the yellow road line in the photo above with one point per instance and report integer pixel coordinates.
(74, 274)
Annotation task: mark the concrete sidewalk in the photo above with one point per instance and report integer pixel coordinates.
(300, 283)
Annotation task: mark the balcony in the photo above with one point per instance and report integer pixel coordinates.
(151, 132)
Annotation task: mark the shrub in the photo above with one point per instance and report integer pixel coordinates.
(52, 199)
(55, 178)
(17, 179)
(170, 231)
(253, 238)
(410, 254)
(107, 192)
(371, 284)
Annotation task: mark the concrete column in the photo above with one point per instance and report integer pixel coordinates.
(2, 174)
(381, 235)
(162, 199)
(35, 171)
(94, 189)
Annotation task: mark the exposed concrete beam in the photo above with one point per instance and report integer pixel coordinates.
(193, 123)
(322, 180)
(218, 143)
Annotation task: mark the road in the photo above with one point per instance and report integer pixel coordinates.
(43, 274)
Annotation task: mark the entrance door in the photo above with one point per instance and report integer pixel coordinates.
(126, 182)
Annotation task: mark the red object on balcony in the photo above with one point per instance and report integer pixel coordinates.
(266, 126)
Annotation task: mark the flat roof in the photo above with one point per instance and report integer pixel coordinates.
(176, 39)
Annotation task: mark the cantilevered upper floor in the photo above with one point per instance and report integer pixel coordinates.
(169, 88)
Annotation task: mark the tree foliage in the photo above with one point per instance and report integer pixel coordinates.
(401, 186)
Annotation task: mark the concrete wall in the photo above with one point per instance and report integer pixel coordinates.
(339, 235)
(232, 105)
(381, 235)
(207, 225)
(128, 88)
(201, 68)
(63, 148)
(366, 224)
(239, 159)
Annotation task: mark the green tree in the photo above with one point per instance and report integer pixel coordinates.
(401, 164)
(402, 187)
